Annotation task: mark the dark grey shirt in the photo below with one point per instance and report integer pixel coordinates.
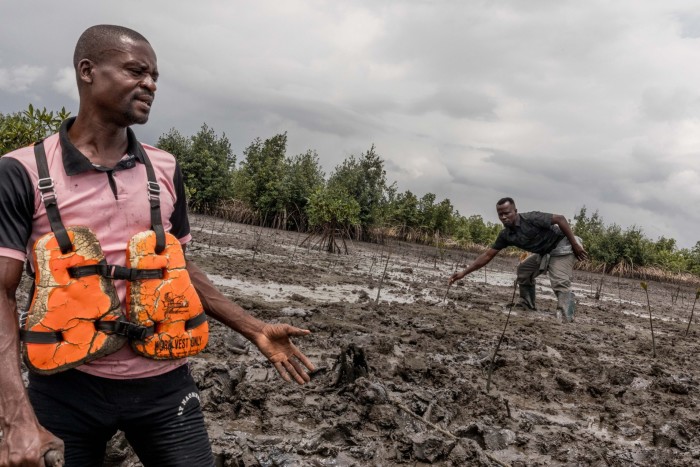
(533, 232)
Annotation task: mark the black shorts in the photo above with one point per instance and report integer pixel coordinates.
(160, 416)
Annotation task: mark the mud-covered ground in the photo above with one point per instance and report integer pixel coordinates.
(403, 364)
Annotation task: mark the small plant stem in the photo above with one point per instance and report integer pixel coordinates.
(379, 289)
(619, 290)
(651, 325)
(697, 294)
(446, 291)
(600, 284)
(498, 346)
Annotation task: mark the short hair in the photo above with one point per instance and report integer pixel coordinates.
(97, 40)
(505, 200)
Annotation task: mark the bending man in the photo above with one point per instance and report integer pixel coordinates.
(554, 247)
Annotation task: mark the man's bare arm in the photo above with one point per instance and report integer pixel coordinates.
(273, 340)
(25, 441)
(481, 261)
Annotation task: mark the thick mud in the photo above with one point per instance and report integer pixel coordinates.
(403, 362)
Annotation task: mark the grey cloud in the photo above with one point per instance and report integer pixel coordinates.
(665, 105)
(457, 102)
(689, 24)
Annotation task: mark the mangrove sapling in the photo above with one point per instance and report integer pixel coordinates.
(522, 258)
(257, 235)
(296, 245)
(381, 281)
(600, 284)
(697, 294)
(371, 266)
(619, 290)
(674, 299)
(444, 298)
(449, 284)
(651, 323)
(498, 346)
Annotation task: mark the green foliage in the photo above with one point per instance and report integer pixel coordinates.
(260, 181)
(474, 230)
(612, 245)
(404, 214)
(332, 207)
(364, 180)
(206, 161)
(24, 128)
(435, 218)
(302, 177)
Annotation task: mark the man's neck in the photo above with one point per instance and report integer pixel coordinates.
(102, 144)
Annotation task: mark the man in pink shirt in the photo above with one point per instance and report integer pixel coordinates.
(96, 174)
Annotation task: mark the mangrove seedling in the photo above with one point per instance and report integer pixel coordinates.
(600, 284)
(523, 257)
(651, 323)
(498, 346)
(697, 294)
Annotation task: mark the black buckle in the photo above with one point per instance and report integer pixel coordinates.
(113, 271)
(132, 331)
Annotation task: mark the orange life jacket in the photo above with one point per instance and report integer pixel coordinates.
(75, 315)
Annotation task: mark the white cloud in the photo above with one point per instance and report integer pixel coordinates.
(65, 83)
(19, 78)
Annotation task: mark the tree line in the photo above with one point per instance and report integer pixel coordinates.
(270, 188)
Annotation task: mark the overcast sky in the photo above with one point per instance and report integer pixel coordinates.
(559, 104)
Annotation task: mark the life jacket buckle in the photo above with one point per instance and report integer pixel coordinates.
(111, 270)
(46, 189)
(133, 331)
(153, 190)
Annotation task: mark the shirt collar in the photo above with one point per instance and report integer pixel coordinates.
(516, 225)
(75, 162)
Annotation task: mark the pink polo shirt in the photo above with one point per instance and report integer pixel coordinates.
(113, 204)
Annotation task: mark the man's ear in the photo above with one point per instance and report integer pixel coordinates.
(85, 70)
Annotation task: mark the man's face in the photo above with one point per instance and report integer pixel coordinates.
(124, 82)
(507, 214)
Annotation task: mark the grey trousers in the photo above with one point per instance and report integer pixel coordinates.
(560, 270)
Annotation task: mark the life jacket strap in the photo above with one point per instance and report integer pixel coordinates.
(48, 197)
(196, 321)
(126, 328)
(40, 337)
(153, 189)
(112, 271)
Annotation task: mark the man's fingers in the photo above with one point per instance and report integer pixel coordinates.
(303, 359)
(289, 369)
(282, 372)
(293, 331)
(299, 374)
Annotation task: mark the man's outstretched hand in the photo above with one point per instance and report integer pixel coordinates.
(455, 277)
(275, 343)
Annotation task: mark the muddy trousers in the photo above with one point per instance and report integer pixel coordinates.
(160, 416)
(559, 268)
